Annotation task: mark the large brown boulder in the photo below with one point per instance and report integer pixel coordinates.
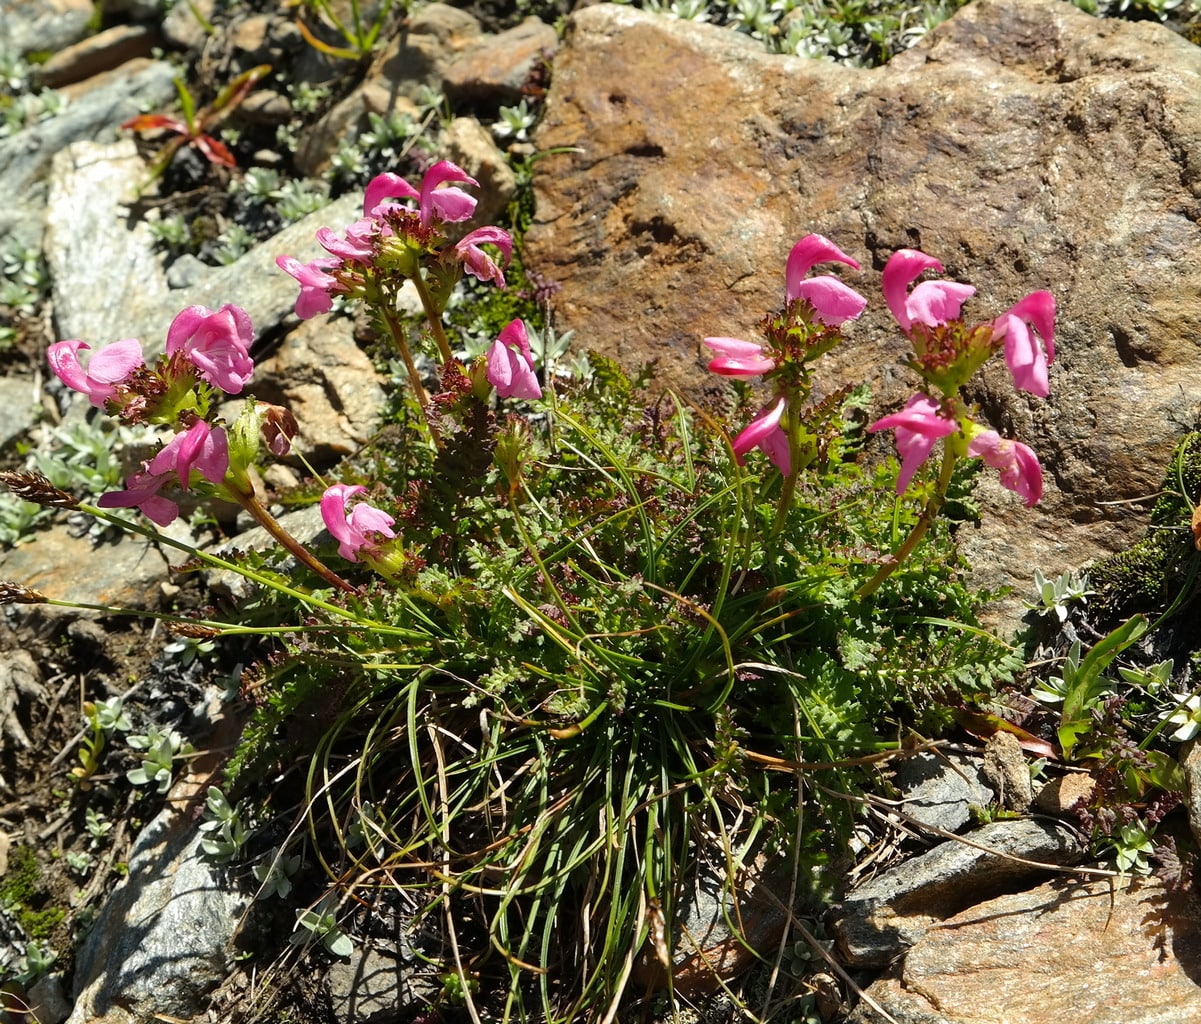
(1024, 143)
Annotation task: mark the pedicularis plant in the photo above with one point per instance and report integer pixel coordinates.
(576, 658)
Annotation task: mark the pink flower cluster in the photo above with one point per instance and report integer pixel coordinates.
(391, 235)
(830, 302)
(358, 528)
(929, 313)
(215, 346)
(947, 353)
(202, 345)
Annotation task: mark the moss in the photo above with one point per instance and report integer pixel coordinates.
(1148, 576)
(21, 891)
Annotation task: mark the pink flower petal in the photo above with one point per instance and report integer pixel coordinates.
(738, 358)
(835, 302)
(764, 432)
(904, 267)
(917, 428)
(1018, 465)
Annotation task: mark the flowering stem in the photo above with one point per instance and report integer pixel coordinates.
(269, 523)
(419, 392)
(925, 521)
(434, 316)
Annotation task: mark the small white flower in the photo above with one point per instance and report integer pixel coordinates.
(1186, 715)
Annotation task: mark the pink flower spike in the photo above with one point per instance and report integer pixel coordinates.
(476, 261)
(738, 358)
(201, 448)
(141, 491)
(918, 426)
(355, 247)
(931, 302)
(356, 529)
(448, 204)
(1018, 465)
(510, 364)
(107, 367)
(764, 432)
(1026, 358)
(834, 301)
(317, 288)
(381, 187)
(216, 343)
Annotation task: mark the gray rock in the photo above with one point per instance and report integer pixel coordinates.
(182, 29)
(40, 25)
(1104, 952)
(1024, 143)
(305, 525)
(939, 793)
(106, 276)
(25, 157)
(893, 910)
(48, 1000)
(20, 404)
(373, 988)
(162, 940)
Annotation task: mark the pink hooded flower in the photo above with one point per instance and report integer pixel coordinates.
(358, 245)
(918, 427)
(1018, 465)
(317, 288)
(476, 261)
(738, 358)
(216, 343)
(200, 448)
(105, 370)
(1026, 358)
(834, 301)
(357, 529)
(931, 302)
(764, 432)
(510, 364)
(438, 201)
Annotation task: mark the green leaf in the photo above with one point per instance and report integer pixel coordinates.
(1087, 684)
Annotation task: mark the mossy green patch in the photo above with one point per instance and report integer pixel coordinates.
(20, 891)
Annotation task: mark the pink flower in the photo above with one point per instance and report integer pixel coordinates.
(476, 261)
(216, 343)
(1026, 358)
(764, 432)
(200, 448)
(1018, 465)
(738, 358)
(834, 301)
(931, 302)
(358, 245)
(357, 529)
(436, 203)
(106, 369)
(510, 364)
(918, 426)
(141, 491)
(317, 288)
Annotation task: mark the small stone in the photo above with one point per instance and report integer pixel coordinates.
(497, 70)
(1059, 796)
(469, 144)
(939, 791)
(182, 27)
(48, 1000)
(186, 271)
(1006, 770)
(102, 52)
